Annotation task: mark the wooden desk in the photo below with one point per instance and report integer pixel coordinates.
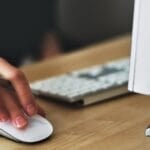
(112, 125)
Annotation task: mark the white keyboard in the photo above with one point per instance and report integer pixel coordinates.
(87, 85)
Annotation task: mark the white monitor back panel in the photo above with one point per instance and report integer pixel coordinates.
(139, 76)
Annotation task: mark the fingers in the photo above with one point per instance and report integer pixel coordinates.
(20, 84)
(4, 116)
(10, 107)
(24, 94)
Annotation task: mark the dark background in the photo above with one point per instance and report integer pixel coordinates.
(76, 23)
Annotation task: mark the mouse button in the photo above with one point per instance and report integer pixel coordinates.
(7, 130)
(34, 132)
(39, 119)
(34, 121)
(38, 122)
(7, 135)
(6, 127)
(37, 130)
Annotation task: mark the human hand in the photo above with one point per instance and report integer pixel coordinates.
(16, 104)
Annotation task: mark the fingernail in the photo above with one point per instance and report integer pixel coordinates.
(20, 122)
(31, 109)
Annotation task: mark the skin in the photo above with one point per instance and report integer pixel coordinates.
(14, 106)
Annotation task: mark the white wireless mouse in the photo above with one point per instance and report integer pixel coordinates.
(38, 129)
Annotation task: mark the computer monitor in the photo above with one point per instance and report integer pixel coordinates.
(139, 76)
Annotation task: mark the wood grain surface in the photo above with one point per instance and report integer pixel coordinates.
(118, 124)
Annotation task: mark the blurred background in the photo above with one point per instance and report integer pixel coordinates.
(41, 29)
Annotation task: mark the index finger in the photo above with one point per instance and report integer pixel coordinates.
(21, 86)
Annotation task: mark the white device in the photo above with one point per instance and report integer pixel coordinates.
(88, 85)
(139, 76)
(38, 129)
